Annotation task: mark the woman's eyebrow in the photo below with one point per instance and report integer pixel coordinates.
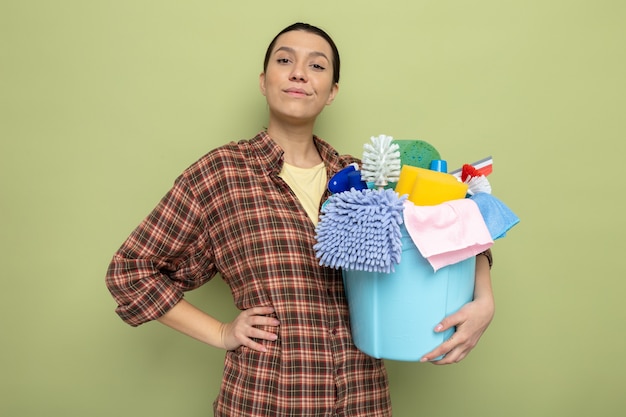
(293, 51)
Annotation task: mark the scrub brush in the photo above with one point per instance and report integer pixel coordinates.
(475, 180)
(381, 161)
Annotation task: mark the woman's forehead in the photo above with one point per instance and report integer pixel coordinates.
(299, 40)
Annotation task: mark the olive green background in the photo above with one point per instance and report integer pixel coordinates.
(104, 103)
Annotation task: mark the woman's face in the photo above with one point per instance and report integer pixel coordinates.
(298, 82)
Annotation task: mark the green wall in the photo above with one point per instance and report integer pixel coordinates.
(104, 103)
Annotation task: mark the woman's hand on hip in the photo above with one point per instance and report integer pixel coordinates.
(245, 329)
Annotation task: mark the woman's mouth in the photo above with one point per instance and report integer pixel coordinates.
(297, 92)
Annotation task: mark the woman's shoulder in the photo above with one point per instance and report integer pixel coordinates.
(332, 157)
(227, 160)
(233, 152)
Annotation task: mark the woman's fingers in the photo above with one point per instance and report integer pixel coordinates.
(245, 328)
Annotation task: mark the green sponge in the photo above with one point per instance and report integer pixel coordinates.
(416, 153)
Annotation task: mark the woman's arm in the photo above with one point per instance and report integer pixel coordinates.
(471, 320)
(191, 321)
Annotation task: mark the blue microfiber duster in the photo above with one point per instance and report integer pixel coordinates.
(498, 217)
(360, 230)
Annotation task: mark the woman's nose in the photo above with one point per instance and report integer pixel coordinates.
(298, 74)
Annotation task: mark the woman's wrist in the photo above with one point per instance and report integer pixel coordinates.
(489, 257)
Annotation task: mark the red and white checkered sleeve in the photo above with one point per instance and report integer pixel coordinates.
(167, 254)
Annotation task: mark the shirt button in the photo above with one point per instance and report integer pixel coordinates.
(333, 332)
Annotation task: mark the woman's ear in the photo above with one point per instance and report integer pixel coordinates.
(333, 93)
(262, 83)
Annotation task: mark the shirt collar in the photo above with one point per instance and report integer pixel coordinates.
(271, 155)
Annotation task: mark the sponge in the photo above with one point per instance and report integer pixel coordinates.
(428, 188)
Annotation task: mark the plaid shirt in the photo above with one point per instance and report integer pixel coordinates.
(231, 213)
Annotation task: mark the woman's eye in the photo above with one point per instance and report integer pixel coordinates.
(282, 60)
(318, 67)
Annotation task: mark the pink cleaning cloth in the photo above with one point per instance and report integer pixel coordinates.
(447, 233)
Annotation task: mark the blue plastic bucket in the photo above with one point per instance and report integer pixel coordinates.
(393, 316)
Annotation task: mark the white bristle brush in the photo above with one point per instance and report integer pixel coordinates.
(381, 161)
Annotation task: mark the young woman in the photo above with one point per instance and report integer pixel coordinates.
(248, 211)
